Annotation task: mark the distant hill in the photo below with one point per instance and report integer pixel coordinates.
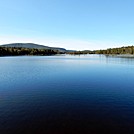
(32, 45)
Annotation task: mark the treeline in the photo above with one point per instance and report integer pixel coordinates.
(14, 51)
(81, 52)
(121, 50)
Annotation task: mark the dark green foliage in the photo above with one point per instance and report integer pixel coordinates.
(81, 52)
(16, 51)
(121, 50)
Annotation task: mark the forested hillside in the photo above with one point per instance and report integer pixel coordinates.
(14, 51)
(33, 45)
(121, 50)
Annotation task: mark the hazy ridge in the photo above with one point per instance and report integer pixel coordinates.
(32, 45)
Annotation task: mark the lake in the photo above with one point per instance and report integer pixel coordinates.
(64, 94)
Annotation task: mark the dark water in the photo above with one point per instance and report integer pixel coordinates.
(66, 95)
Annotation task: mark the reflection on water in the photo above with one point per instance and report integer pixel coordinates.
(120, 60)
(66, 94)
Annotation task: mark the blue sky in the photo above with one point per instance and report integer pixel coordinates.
(73, 24)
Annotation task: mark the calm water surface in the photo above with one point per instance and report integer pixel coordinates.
(64, 94)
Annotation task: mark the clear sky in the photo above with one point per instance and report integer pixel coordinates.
(72, 24)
